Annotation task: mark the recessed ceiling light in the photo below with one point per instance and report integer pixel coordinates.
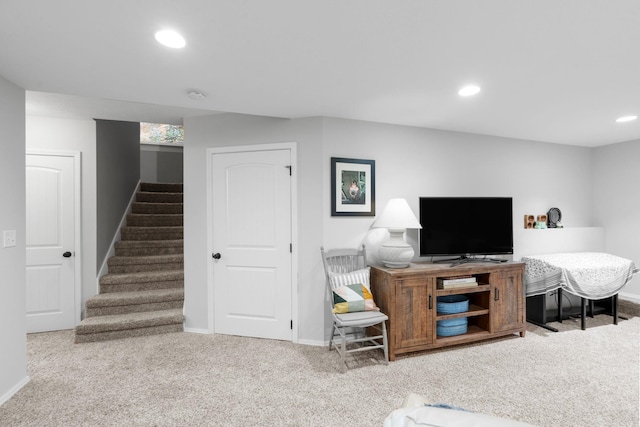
(170, 38)
(626, 119)
(469, 90)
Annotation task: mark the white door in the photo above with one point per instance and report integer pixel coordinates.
(50, 199)
(251, 214)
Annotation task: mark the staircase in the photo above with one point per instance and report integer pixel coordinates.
(143, 293)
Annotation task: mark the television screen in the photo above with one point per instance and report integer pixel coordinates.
(466, 226)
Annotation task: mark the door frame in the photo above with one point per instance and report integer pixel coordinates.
(292, 147)
(77, 223)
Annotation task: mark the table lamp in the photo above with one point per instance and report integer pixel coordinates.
(397, 216)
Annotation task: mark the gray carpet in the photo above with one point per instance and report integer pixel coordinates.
(569, 378)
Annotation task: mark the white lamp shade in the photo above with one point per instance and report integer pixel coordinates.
(397, 214)
(396, 217)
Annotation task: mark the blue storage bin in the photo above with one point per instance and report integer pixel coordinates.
(450, 304)
(451, 327)
(453, 322)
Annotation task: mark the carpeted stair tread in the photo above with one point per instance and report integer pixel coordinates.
(156, 208)
(136, 297)
(149, 247)
(128, 333)
(155, 220)
(149, 243)
(156, 197)
(138, 264)
(151, 233)
(141, 277)
(146, 259)
(161, 187)
(121, 322)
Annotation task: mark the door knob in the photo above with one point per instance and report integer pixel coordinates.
(66, 254)
(216, 255)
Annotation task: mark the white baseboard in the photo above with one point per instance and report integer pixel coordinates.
(8, 395)
(197, 331)
(634, 298)
(314, 343)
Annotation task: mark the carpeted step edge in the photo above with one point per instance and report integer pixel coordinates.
(142, 277)
(162, 187)
(121, 322)
(145, 263)
(134, 308)
(157, 208)
(135, 297)
(129, 333)
(153, 197)
(145, 259)
(155, 220)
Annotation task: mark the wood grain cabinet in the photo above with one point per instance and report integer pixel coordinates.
(409, 297)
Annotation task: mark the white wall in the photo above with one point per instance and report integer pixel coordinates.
(56, 134)
(617, 205)
(414, 162)
(410, 162)
(13, 326)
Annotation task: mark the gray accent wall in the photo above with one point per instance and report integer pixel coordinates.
(161, 163)
(13, 323)
(118, 173)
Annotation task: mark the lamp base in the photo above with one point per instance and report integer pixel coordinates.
(396, 253)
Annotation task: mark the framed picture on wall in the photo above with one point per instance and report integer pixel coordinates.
(353, 187)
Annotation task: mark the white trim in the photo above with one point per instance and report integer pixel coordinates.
(77, 226)
(197, 331)
(292, 147)
(104, 268)
(314, 343)
(627, 296)
(13, 390)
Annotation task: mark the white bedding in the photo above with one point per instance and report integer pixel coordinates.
(591, 275)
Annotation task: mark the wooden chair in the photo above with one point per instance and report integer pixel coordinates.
(351, 328)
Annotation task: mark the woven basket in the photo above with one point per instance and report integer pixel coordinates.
(450, 304)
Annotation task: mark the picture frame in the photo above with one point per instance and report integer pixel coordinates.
(353, 187)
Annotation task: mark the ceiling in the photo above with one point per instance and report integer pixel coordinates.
(553, 71)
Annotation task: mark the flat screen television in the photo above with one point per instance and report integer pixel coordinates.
(466, 226)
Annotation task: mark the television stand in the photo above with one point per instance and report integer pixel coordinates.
(409, 297)
(465, 259)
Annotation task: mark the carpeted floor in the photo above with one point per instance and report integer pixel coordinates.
(569, 378)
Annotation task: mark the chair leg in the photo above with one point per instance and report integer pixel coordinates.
(583, 313)
(384, 341)
(344, 351)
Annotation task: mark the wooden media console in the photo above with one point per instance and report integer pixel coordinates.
(408, 296)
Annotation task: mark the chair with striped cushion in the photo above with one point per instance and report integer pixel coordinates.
(345, 270)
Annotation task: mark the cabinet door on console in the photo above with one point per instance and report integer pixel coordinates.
(415, 308)
(508, 301)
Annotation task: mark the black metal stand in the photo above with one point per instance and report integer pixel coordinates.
(538, 314)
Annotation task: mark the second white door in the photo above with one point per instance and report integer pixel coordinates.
(252, 273)
(50, 242)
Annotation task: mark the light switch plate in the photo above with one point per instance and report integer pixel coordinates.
(9, 238)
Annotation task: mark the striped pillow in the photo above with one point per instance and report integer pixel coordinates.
(344, 279)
